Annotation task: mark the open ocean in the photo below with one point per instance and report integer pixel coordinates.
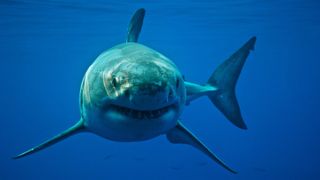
(47, 45)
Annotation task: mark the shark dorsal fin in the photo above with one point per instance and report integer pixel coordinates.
(78, 127)
(135, 25)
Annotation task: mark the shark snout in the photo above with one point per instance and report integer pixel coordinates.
(144, 84)
(150, 96)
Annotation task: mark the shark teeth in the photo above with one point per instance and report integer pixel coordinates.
(141, 114)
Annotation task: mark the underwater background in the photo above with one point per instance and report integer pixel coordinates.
(47, 45)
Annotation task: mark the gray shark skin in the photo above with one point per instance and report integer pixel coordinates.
(134, 93)
(131, 93)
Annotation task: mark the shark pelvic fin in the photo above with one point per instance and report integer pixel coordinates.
(225, 78)
(78, 127)
(135, 25)
(181, 135)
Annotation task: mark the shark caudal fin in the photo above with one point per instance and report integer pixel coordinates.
(135, 25)
(225, 78)
(78, 127)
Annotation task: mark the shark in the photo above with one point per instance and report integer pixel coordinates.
(134, 93)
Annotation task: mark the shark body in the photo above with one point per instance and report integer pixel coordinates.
(134, 93)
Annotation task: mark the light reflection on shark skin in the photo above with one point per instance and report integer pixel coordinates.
(134, 93)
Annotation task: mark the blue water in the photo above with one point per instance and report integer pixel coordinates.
(46, 47)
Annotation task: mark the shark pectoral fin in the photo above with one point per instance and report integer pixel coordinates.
(135, 25)
(181, 135)
(78, 127)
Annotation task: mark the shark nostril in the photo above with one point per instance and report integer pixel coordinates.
(170, 95)
(126, 93)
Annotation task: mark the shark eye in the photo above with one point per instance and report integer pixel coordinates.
(177, 83)
(114, 82)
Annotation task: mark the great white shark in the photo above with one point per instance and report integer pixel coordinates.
(134, 93)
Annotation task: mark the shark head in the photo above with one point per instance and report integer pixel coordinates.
(143, 93)
(143, 89)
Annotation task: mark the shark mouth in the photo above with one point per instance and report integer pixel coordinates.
(142, 114)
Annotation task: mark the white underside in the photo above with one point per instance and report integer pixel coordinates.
(118, 127)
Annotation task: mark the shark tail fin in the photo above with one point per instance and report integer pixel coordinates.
(225, 78)
(78, 127)
(135, 25)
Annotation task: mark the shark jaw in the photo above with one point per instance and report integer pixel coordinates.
(127, 124)
(119, 120)
(138, 114)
